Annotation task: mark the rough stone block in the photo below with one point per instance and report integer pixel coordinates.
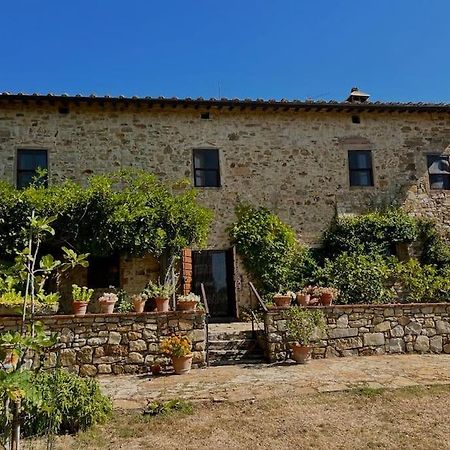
(342, 333)
(135, 358)
(413, 328)
(104, 368)
(397, 331)
(348, 343)
(373, 339)
(138, 346)
(342, 321)
(436, 344)
(84, 355)
(383, 326)
(68, 357)
(422, 344)
(114, 338)
(88, 370)
(396, 345)
(442, 327)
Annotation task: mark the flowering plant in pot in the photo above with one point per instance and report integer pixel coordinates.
(283, 300)
(107, 302)
(81, 296)
(180, 350)
(327, 295)
(188, 302)
(301, 325)
(138, 301)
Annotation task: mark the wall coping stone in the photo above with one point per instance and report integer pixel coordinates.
(275, 310)
(128, 315)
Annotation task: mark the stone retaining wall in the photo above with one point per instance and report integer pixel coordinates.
(116, 343)
(369, 330)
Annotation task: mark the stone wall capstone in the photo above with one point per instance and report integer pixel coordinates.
(368, 330)
(97, 344)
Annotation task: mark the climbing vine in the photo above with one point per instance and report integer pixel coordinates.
(128, 212)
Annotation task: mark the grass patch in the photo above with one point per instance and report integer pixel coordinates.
(160, 408)
(367, 391)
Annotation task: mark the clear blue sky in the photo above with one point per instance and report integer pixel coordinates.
(393, 49)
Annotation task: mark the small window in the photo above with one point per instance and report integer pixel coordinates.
(103, 272)
(356, 119)
(206, 168)
(360, 167)
(28, 163)
(204, 115)
(438, 172)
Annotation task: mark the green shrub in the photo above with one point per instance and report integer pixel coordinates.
(270, 250)
(422, 283)
(69, 403)
(359, 278)
(374, 233)
(435, 248)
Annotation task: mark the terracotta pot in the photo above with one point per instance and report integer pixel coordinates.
(162, 304)
(282, 301)
(182, 364)
(156, 369)
(303, 299)
(326, 299)
(79, 308)
(107, 306)
(139, 305)
(187, 305)
(301, 353)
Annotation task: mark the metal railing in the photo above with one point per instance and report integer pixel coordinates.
(255, 319)
(207, 317)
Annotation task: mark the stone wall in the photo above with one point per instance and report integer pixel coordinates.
(369, 330)
(294, 163)
(116, 343)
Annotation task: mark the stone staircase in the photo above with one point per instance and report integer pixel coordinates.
(233, 343)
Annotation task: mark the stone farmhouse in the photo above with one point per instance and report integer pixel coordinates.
(305, 160)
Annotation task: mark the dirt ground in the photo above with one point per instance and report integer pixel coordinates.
(414, 417)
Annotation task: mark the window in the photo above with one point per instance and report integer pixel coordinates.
(28, 162)
(360, 167)
(206, 168)
(103, 272)
(438, 172)
(356, 119)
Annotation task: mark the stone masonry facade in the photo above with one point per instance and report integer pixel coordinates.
(98, 344)
(368, 330)
(292, 161)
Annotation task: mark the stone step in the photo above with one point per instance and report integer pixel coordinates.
(224, 357)
(238, 344)
(230, 335)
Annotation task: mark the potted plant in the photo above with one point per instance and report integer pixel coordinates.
(162, 291)
(303, 296)
(301, 324)
(180, 350)
(138, 301)
(107, 302)
(81, 296)
(188, 302)
(327, 294)
(283, 300)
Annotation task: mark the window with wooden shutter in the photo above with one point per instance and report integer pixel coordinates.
(438, 172)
